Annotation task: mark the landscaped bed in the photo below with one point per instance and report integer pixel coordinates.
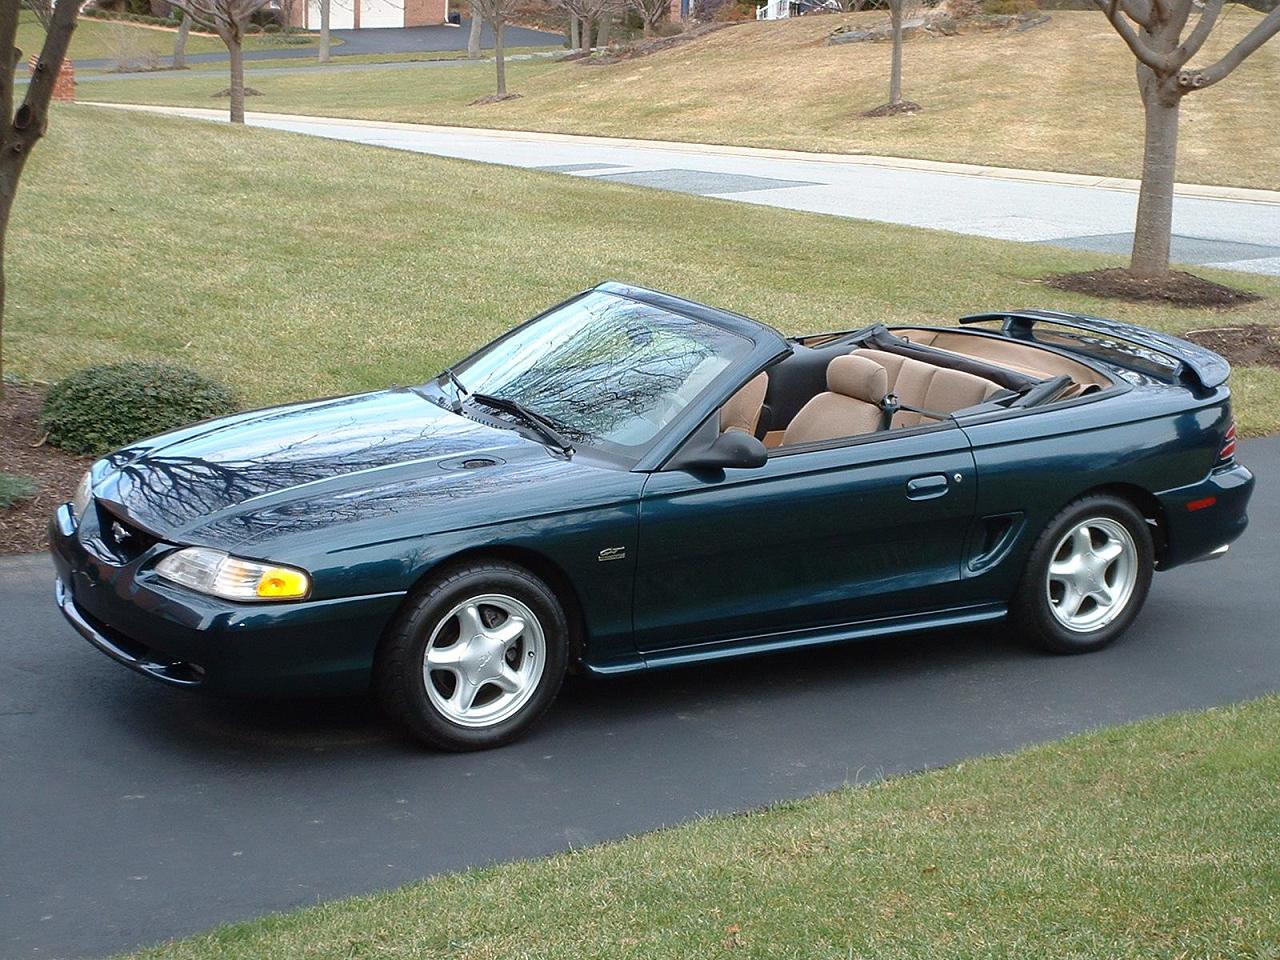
(23, 453)
(1154, 840)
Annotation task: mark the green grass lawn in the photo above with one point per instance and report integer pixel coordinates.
(1153, 840)
(1058, 97)
(293, 267)
(102, 39)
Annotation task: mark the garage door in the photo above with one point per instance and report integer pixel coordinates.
(381, 13)
(342, 14)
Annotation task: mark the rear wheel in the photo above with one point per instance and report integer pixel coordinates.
(1087, 576)
(475, 658)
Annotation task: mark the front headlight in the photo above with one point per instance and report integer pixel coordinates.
(83, 494)
(222, 575)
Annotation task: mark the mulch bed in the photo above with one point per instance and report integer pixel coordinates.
(1251, 345)
(644, 48)
(1178, 288)
(894, 109)
(494, 98)
(24, 525)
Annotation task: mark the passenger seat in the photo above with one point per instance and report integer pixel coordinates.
(741, 412)
(920, 384)
(851, 406)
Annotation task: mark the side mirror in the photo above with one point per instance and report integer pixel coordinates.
(731, 449)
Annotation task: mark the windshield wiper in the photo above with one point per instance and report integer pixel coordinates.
(534, 420)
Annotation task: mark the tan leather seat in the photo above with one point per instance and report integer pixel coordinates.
(742, 410)
(849, 408)
(920, 384)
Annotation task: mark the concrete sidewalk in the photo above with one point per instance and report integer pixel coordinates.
(1227, 227)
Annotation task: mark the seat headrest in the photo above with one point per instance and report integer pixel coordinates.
(857, 377)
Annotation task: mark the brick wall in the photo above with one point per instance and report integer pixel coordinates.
(420, 13)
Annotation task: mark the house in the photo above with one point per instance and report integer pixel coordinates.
(364, 14)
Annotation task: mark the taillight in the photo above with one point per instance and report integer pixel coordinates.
(1228, 444)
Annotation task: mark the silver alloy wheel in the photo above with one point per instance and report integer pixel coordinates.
(1092, 574)
(484, 660)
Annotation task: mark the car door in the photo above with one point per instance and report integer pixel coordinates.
(818, 536)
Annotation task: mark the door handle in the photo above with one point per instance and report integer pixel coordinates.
(926, 488)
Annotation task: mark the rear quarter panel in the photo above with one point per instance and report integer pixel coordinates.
(1155, 437)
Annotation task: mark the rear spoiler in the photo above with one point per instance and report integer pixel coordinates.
(1203, 366)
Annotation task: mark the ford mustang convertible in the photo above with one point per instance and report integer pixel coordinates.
(631, 480)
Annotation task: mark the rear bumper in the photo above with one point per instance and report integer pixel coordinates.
(185, 639)
(1203, 518)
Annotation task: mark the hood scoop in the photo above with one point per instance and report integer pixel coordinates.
(475, 462)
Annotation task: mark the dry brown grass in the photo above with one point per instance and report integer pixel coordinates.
(1058, 97)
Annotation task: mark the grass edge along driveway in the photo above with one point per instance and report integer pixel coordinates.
(1149, 840)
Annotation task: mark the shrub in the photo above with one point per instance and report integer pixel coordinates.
(14, 488)
(271, 28)
(104, 407)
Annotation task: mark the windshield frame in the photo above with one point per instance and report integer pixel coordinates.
(764, 345)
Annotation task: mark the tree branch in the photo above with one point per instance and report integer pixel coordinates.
(1156, 61)
(33, 113)
(8, 34)
(1204, 26)
(1264, 30)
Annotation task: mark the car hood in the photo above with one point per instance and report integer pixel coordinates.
(239, 479)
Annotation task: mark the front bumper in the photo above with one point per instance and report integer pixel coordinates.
(185, 639)
(1201, 519)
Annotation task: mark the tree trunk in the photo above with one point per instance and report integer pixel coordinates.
(237, 78)
(473, 38)
(603, 37)
(180, 43)
(325, 6)
(1154, 226)
(574, 33)
(648, 27)
(586, 35)
(499, 38)
(895, 65)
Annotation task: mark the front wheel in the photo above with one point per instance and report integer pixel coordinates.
(1087, 576)
(475, 658)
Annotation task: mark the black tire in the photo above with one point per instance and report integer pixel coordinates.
(1033, 608)
(400, 680)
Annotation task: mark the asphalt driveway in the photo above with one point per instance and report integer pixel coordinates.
(132, 813)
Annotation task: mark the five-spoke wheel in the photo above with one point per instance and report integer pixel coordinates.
(476, 656)
(484, 660)
(1087, 576)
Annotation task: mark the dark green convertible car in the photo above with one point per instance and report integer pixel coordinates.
(631, 480)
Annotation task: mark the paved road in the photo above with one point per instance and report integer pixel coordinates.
(132, 813)
(386, 40)
(1211, 227)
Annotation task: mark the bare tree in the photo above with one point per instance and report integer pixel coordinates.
(1153, 31)
(588, 16)
(228, 19)
(43, 10)
(473, 39)
(897, 12)
(180, 43)
(23, 127)
(496, 13)
(322, 55)
(650, 12)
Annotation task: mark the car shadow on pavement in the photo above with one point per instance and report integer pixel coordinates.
(274, 730)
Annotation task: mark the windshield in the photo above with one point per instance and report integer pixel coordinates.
(605, 370)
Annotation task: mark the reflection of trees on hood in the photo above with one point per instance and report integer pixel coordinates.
(624, 362)
(172, 487)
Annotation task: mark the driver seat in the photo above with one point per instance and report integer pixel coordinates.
(856, 386)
